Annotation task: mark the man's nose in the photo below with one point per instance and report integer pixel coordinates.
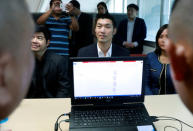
(34, 40)
(102, 29)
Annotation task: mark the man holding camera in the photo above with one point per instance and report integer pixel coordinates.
(59, 25)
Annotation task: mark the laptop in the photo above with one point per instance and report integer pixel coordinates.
(108, 95)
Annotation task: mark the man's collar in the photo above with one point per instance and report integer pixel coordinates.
(42, 57)
(101, 54)
(132, 20)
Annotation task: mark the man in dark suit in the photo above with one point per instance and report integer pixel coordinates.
(105, 28)
(83, 36)
(50, 77)
(132, 31)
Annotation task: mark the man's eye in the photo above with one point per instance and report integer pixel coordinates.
(40, 38)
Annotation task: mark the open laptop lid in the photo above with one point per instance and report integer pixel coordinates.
(107, 81)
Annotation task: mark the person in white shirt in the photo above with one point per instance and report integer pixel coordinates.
(131, 31)
(105, 28)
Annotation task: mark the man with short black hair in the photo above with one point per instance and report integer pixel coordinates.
(83, 37)
(131, 31)
(50, 78)
(59, 26)
(105, 28)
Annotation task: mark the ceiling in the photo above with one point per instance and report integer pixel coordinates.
(43, 5)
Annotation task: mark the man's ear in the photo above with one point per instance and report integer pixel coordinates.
(7, 99)
(178, 60)
(5, 60)
(114, 31)
(48, 43)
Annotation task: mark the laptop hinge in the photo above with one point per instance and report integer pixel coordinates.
(132, 103)
(124, 104)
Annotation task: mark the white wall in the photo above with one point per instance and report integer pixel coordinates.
(43, 5)
(34, 5)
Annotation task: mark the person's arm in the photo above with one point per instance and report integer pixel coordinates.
(43, 18)
(142, 36)
(144, 30)
(119, 36)
(88, 30)
(74, 24)
(81, 52)
(63, 79)
(147, 77)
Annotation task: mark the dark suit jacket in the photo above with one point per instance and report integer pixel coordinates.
(91, 51)
(139, 34)
(84, 36)
(50, 78)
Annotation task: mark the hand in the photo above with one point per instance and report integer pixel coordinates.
(53, 6)
(56, 6)
(69, 8)
(129, 45)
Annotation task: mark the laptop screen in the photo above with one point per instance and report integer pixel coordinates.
(107, 79)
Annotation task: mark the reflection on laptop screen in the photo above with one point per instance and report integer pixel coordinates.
(107, 78)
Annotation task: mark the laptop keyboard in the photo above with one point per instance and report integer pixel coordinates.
(113, 117)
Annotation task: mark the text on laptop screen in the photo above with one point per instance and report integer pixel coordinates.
(107, 79)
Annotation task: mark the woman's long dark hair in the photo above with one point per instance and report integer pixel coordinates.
(161, 29)
(104, 5)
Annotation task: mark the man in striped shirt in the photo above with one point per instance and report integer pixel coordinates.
(59, 26)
